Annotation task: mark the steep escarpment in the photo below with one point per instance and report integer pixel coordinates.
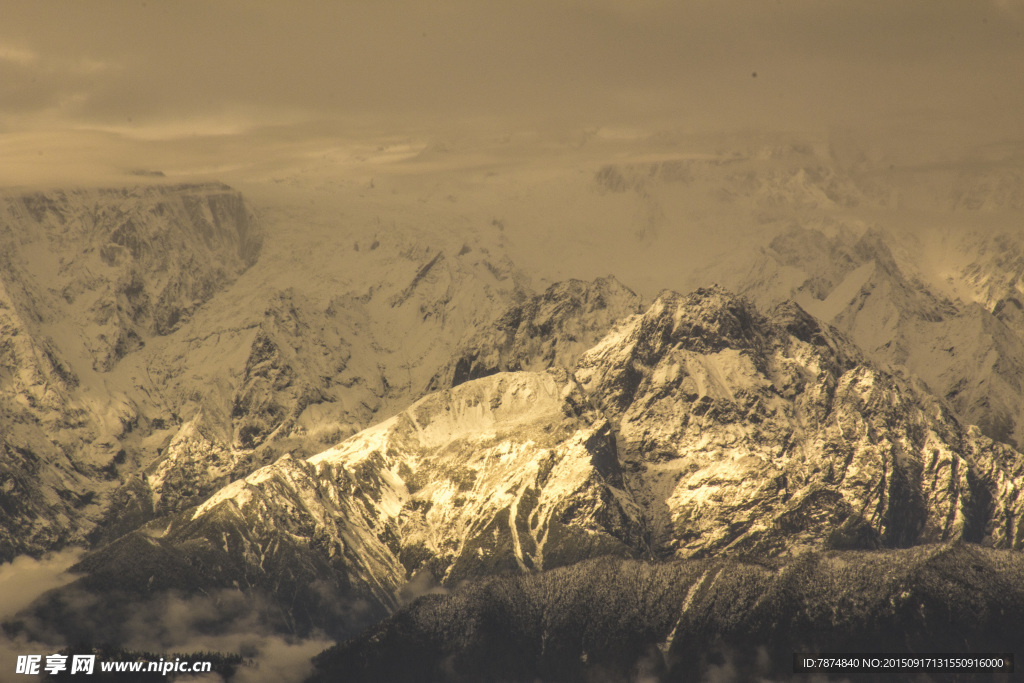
(87, 277)
(124, 265)
(508, 473)
(699, 428)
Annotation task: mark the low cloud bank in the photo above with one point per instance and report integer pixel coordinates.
(228, 622)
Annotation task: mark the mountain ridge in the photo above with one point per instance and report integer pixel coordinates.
(699, 428)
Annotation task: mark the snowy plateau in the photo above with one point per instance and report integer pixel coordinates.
(615, 412)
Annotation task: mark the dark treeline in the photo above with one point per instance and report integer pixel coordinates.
(622, 620)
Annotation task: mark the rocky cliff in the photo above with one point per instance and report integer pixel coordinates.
(87, 277)
(699, 428)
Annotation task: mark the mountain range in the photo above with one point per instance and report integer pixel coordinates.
(441, 458)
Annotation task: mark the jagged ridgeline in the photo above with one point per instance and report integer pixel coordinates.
(613, 488)
(86, 278)
(699, 428)
(957, 326)
(153, 352)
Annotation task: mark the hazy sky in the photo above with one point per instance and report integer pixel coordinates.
(165, 69)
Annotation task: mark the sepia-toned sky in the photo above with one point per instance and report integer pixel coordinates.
(163, 69)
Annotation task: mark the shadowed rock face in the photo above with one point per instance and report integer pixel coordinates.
(133, 263)
(700, 428)
(145, 363)
(693, 620)
(548, 330)
(168, 397)
(265, 371)
(87, 277)
(743, 433)
(514, 472)
(951, 321)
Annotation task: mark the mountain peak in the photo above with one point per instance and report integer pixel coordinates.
(707, 320)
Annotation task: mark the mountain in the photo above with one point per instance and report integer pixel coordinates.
(762, 434)
(267, 371)
(117, 267)
(299, 415)
(87, 277)
(948, 321)
(507, 472)
(698, 620)
(699, 428)
(549, 330)
(918, 262)
(156, 348)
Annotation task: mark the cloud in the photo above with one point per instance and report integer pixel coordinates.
(17, 55)
(276, 660)
(228, 622)
(421, 583)
(26, 578)
(164, 72)
(225, 621)
(21, 582)
(282, 661)
(604, 62)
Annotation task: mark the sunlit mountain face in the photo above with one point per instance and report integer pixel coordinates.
(384, 403)
(510, 342)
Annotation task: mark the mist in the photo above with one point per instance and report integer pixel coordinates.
(117, 86)
(225, 621)
(22, 581)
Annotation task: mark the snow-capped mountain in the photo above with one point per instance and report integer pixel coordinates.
(948, 320)
(698, 428)
(115, 268)
(268, 370)
(512, 471)
(218, 408)
(743, 432)
(155, 350)
(549, 330)
(87, 277)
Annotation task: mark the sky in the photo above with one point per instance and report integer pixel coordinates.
(101, 75)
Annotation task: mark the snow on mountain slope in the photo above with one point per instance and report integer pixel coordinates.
(43, 489)
(902, 305)
(506, 473)
(995, 189)
(744, 433)
(894, 254)
(721, 619)
(549, 330)
(994, 268)
(117, 267)
(195, 362)
(698, 428)
(734, 431)
(295, 357)
(88, 276)
(882, 245)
